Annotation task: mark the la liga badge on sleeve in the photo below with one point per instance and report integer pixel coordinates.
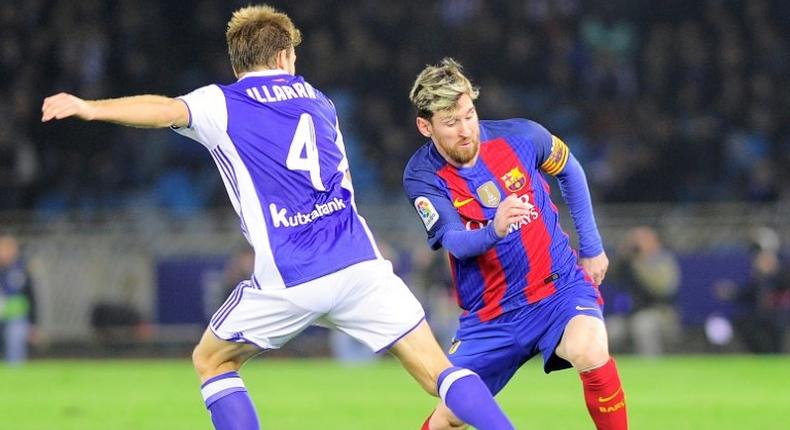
(427, 212)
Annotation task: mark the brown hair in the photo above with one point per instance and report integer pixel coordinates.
(256, 34)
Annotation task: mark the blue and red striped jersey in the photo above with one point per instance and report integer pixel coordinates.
(535, 257)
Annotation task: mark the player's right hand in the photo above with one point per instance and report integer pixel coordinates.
(64, 105)
(510, 211)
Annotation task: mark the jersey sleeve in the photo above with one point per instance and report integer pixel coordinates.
(432, 204)
(208, 115)
(548, 151)
(552, 158)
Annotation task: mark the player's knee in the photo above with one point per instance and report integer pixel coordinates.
(586, 353)
(207, 362)
(201, 361)
(585, 343)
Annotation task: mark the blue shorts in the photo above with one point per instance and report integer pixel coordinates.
(497, 348)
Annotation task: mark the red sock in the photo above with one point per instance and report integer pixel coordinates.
(605, 397)
(425, 425)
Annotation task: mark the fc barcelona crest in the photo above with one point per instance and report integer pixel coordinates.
(514, 180)
(489, 194)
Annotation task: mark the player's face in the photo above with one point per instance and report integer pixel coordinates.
(456, 133)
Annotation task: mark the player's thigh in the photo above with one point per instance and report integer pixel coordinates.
(421, 356)
(376, 307)
(574, 334)
(213, 356)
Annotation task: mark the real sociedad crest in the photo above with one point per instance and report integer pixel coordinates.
(514, 180)
(489, 194)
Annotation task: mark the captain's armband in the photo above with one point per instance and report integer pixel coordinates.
(556, 160)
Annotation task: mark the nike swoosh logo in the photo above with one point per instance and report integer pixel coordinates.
(582, 308)
(458, 203)
(606, 399)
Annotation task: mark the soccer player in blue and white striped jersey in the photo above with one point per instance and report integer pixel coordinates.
(277, 144)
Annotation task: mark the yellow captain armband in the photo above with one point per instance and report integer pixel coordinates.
(557, 158)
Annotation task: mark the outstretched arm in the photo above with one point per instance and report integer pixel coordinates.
(146, 111)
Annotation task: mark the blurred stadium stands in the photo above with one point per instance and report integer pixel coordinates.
(678, 111)
(167, 271)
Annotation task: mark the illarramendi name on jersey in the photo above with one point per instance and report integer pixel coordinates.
(278, 93)
(280, 217)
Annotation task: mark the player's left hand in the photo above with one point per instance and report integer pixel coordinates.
(596, 267)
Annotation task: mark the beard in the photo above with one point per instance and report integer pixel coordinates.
(463, 155)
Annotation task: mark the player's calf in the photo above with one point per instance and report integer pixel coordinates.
(468, 397)
(217, 363)
(230, 405)
(605, 398)
(462, 390)
(584, 345)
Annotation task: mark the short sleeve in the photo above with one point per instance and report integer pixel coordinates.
(208, 115)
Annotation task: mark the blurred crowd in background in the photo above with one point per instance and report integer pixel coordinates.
(672, 101)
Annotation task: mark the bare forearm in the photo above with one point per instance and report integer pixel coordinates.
(145, 111)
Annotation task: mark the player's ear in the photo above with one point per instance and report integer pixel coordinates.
(424, 127)
(282, 59)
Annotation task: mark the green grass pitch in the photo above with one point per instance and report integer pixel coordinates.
(705, 392)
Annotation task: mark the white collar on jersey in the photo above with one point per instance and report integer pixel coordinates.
(269, 72)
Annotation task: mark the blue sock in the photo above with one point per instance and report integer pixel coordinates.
(470, 400)
(229, 403)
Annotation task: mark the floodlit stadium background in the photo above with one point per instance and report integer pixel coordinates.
(677, 110)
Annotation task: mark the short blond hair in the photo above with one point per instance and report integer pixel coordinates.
(438, 88)
(256, 34)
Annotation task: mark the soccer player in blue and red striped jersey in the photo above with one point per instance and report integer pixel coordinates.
(479, 188)
(277, 144)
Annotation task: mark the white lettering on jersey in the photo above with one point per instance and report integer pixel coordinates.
(280, 216)
(532, 215)
(278, 93)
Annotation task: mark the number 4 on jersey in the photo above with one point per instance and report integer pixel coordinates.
(304, 141)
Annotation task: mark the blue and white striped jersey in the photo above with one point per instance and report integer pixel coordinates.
(278, 147)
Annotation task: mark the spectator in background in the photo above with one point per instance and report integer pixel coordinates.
(17, 302)
(649, 273)
(763, 301)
